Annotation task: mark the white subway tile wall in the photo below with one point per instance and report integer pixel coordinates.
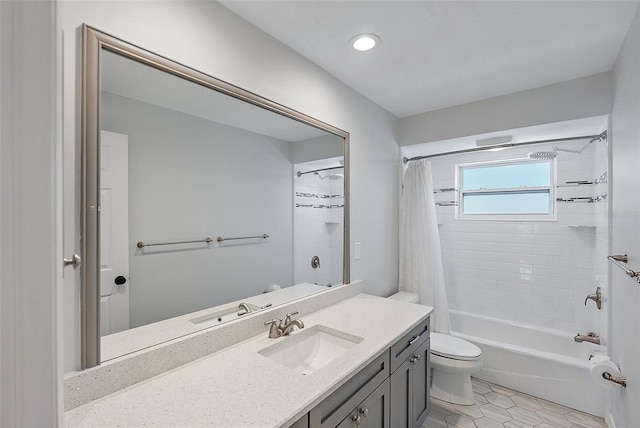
(535, 272)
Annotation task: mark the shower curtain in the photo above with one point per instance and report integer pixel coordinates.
(421, 269)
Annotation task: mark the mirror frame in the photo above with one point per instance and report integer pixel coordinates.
(94, 41)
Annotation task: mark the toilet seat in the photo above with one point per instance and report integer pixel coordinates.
(454, 348)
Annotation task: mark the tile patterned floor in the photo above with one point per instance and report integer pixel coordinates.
(499, 407)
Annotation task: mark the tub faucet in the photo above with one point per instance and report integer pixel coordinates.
(589, 337)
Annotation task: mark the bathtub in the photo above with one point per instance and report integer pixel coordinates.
(538, 361)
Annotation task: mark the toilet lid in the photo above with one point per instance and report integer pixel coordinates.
(453, 347)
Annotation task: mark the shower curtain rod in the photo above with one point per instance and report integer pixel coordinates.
(602, 136)
(318, 170)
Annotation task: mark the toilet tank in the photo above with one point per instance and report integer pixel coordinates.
(405, 296)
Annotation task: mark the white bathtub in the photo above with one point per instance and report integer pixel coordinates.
(539, 361)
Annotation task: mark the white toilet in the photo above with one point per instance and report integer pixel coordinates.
(452, 360)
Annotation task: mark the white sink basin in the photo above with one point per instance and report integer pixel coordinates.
(221, 316)
(310, 349)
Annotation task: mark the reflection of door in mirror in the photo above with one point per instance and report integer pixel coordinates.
(114, 233)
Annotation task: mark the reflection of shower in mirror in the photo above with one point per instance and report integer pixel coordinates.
(318, 218)
(330, 175)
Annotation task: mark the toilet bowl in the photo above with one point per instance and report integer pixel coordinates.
(452, 362)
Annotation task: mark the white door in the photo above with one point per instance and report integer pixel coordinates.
(114, 233)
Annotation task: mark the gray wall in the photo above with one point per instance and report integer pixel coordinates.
(575, 99)
(190, 178)
(624, 300)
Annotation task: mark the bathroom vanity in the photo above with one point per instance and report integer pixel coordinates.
(390, 391)
(376, 376)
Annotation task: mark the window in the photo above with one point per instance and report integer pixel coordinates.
(521, 189)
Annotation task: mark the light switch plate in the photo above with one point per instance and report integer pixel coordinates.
(357, 252)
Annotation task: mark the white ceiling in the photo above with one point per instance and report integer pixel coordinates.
(437, 54)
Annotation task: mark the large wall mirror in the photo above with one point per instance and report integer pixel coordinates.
(202, 203)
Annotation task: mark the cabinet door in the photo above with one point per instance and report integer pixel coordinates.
(376, 408)
(303, 422)
(420, 382)
(373, 412)
(400, 386)
(339, 405)
(409, 386)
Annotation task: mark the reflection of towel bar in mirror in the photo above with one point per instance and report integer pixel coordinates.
(221, 239)
(300, 173)
(207, 240)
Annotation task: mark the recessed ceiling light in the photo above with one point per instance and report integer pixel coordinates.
(365, 42)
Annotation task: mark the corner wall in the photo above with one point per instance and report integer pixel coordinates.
(624, 299)
(30, 250)
(210, 38)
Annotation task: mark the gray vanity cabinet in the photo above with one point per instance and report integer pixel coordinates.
(392, 391)
(410, 378)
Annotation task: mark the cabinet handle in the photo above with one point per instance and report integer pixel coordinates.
(357, 419)
(364, 412)
(417, 357)
(412, 341)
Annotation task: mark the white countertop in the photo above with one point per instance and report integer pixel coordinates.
(237, 387)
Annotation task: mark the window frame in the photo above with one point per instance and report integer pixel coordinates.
(552, 215)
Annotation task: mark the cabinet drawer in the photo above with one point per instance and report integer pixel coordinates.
(411, 341)
(339, 405)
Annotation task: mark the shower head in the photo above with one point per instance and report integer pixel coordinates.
(330, 176)
(548, 155)
(543, 155)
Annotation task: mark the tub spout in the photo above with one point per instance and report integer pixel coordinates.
(590, 337)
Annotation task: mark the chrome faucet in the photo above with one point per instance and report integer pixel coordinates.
(274, 330)
(278, 328)
(244, 309)
(589, 337)
(289, 324)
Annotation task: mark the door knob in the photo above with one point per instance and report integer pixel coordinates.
(120, 280)
(74, 261)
